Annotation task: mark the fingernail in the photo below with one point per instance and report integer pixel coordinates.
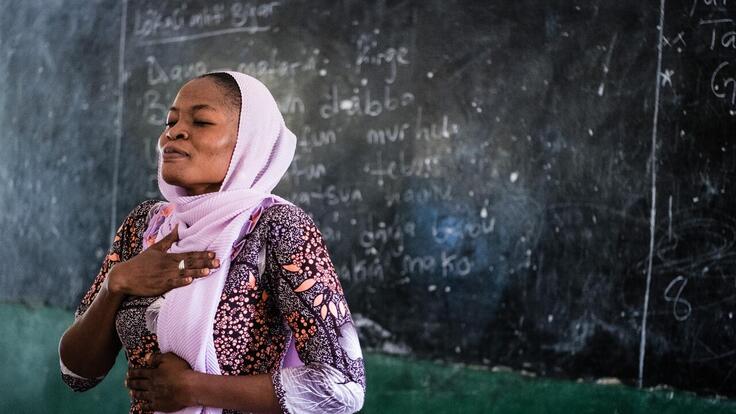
(211, 255)
(216, 262)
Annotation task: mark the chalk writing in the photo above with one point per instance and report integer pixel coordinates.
(311, 171)
(448, 264)
(723, 83)
(277, 67)
(419, 195)
(709, 4)
(444, 231)
(331, 194)
(310, 139)
(413, 167)
(387, 237)
(391, 57)
(330, 234)
(154, 108)
(361, 270)
(361, 102)
(157, 74)
(290, 104)
(182, 23)
(246, 14)
(393, 133)
(421, 130)
(725, 40)
(681, 308)
(433, 131)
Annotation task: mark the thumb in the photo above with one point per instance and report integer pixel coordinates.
(165, 243)
(152, 359)
(156, 359)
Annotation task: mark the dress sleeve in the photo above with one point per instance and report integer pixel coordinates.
(124, 246)
(312, 302)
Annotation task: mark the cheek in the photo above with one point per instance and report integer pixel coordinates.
(217, 149)
(216, 155)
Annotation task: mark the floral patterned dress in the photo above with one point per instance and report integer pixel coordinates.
(281, 292)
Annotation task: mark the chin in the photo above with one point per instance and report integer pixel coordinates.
(173, 178)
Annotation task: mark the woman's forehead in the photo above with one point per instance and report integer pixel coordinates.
(200, 93)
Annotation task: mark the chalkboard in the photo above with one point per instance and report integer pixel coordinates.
(540, 185)
(693, 276)
(59, 83)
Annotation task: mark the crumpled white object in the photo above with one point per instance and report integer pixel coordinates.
(152, 313)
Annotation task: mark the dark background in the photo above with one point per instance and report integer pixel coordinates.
(481, 171)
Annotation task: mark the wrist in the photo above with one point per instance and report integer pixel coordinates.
(112, 281)
(191, 380)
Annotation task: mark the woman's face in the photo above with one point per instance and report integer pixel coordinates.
(198, 141)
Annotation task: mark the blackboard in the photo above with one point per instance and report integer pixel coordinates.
(540, 185)
(59, 83)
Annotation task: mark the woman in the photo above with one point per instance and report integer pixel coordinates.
(224, 297)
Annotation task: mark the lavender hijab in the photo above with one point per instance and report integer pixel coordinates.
(215, 221)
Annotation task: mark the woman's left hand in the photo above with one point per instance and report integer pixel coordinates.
(162, 386)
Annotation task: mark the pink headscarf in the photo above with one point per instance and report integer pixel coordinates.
(215, 221)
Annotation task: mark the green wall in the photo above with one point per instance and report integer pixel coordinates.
(31, 383)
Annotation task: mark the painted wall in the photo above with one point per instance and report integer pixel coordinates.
(30, 382)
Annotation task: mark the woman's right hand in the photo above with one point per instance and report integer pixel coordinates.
(154, 271)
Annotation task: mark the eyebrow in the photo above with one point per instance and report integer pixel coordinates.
(196, 107)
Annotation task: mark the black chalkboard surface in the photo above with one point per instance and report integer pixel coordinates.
(58, 95)
(542, 185)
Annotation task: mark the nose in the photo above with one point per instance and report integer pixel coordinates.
(177, 133)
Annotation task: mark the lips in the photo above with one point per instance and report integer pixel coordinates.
(171, 153)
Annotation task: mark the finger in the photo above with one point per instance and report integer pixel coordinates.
(144, 396)
(196, 260)
(201, 263)
(139, 384)
(194, 273)
(186, 277)
(147, 405)
(165, 243)
(198, 264)
(179, 282)
(176, 282)
(138, 373)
